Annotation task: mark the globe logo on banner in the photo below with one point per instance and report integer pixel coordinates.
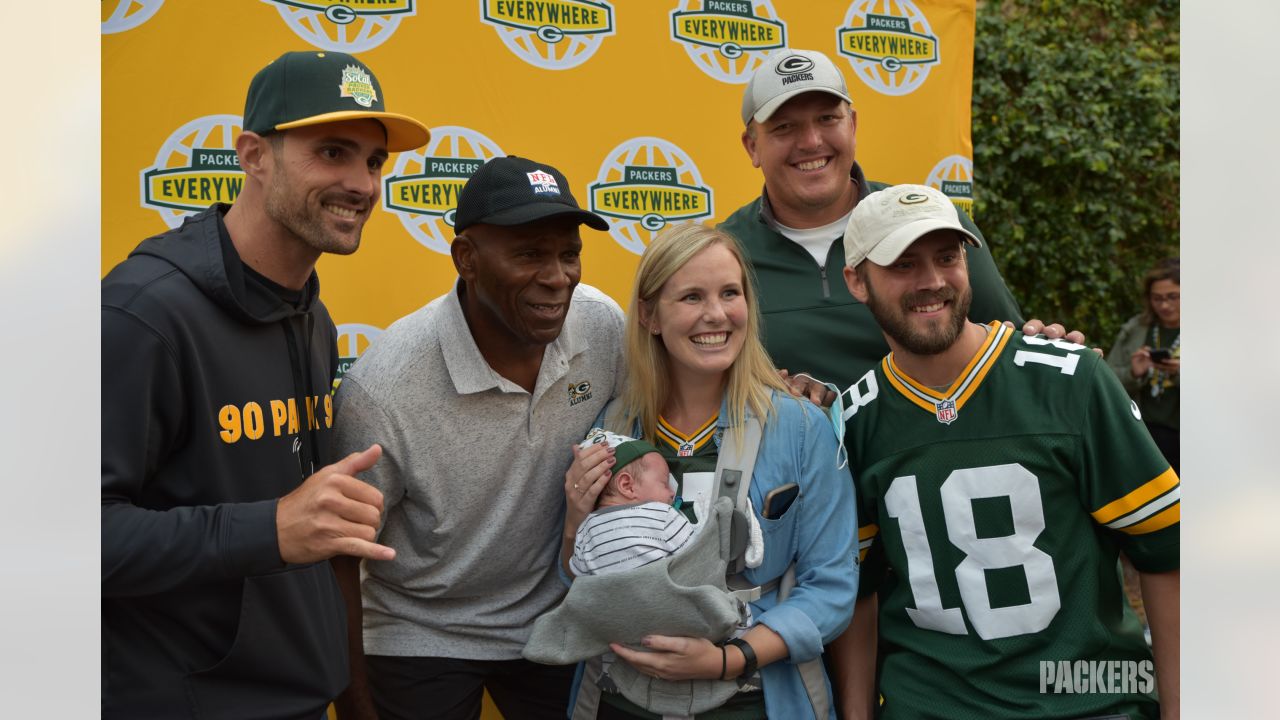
(422, 189)
(550, 34)
(350, 26)
(728, 39)
(127, 14)
(353, 340)
(953, 175)
(892, 49)
(643, 184)
(195, 167)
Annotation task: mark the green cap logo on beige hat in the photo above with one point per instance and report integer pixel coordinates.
(314, 87)
(886, 222)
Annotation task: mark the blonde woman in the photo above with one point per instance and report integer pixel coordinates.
(696, 367)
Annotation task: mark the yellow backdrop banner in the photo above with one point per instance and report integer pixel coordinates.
(621, 96)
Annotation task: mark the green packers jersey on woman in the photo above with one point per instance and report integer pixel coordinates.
(992, 513)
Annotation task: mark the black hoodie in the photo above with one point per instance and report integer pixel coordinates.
(204, 427)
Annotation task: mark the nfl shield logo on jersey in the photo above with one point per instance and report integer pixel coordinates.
(946, 411)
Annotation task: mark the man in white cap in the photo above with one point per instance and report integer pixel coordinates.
(220, 511)
(799, 129)
(999, 475)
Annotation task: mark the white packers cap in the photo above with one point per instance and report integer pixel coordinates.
(785, 75)
(886, 222)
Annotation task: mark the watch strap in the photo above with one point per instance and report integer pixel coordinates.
(748, 654)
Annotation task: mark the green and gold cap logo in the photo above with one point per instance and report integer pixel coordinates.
(643, 184)
(357, 85)
(892, 50)
(730, 26)
(195, 167)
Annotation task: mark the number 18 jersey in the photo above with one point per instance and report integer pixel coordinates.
(992, 514)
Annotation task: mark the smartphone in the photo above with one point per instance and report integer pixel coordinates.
(779, 499)
(1161, 354)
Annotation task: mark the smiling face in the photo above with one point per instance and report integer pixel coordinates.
(701, 315)
(519, 279)
(921, 300)
(325, 180)
(805, 150)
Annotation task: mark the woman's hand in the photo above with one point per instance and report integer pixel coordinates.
(1169, 367)
(1140, 362)
(584, 482)
(674, 658)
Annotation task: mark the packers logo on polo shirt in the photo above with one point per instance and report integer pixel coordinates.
(889, 45)
(550, 34)
(579, 392)
(422, 188)
(195, 167)
(123, 15)
(349, 26)
(643, 184)
(728, 39)
(953, 175)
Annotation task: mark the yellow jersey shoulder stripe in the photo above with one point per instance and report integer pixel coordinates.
(1160, 521)
(1153, 506)
(1148, 491)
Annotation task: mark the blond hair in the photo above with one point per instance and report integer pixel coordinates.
(752, 374)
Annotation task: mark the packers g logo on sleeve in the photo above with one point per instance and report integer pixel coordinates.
(550, 34)
(422, 189)
(121, 15)
(953, 175)
(889, 44)
(350, 26)
(195, 167)
(643, 184)
(728, 39)
(353, 340)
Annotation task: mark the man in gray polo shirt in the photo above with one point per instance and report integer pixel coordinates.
(476, 399)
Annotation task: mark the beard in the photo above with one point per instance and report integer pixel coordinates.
(291, 211)
(937, 335)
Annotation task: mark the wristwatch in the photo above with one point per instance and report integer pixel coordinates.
(748, 654)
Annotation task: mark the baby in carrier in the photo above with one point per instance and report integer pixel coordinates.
(638, 522)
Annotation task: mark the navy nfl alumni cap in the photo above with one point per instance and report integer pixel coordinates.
(513, 191)
(312, 87)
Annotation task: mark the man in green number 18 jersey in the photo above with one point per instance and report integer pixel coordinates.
(998, 476)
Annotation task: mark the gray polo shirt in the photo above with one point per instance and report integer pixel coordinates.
(472, 473)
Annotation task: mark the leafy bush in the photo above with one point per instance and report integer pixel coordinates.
(1075, 131)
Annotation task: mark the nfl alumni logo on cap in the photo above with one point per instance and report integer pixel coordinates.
(543, 182)
(357, 86)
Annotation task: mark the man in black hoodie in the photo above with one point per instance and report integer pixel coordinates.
(219, 514)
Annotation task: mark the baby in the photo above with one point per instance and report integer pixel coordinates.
(634, 522)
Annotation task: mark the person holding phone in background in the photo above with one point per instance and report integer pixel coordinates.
(1147, 356)
(696, 371)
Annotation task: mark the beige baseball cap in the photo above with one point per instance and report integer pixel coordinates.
(886, 222)
(785, 75)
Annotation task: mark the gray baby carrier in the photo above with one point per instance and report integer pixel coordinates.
(697, 592)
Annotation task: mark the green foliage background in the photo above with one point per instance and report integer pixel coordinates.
(1075, 133)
